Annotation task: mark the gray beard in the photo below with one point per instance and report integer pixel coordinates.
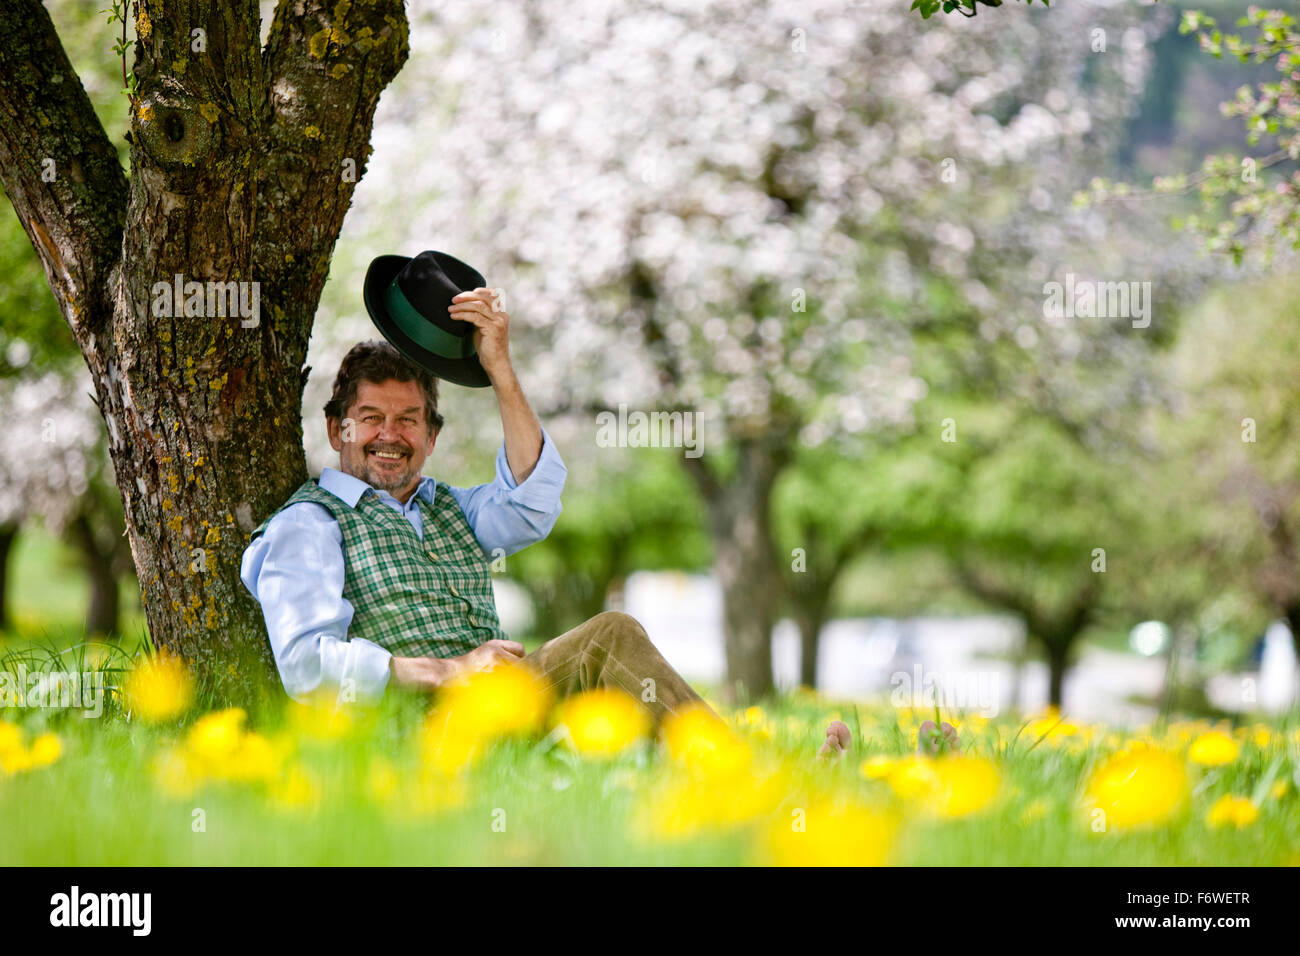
(388, 484)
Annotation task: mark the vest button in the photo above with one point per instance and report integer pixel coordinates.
(454, 591)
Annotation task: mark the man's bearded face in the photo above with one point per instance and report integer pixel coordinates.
(386, 437)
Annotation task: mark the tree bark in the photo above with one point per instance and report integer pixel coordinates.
(739, 510)
(243, 163)
(1291, 614)
(809, 591)
(103, 616)
(810, 629)
(8, 534)
(1056, 667)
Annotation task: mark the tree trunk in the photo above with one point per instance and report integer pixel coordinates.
(739, 517)
(1018, 674)
(810, 629)
(8, 534)
(243, 163)
(103, 617)
(809, 591)
(1291, 614)
(1057, 652)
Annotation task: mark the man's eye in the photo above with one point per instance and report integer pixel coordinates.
(370, 419)
(408, 421)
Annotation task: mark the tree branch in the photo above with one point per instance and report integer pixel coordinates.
(59, 168)
(325, 69)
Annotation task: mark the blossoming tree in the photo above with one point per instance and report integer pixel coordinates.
(746, 212)
(244, 155)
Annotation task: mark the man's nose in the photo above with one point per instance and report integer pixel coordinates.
(387, 430)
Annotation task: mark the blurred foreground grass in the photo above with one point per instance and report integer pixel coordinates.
(497, 772)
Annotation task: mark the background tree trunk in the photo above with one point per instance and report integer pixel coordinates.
(810, 629)
(739, 517)
(103, 616)
(243, 163)
(8, 535)
(1057, 653)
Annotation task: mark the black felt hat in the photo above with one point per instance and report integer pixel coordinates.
(408, 298)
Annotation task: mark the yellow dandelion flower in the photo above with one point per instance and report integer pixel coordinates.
(11, 736)
(912, 777)
(755, 722)
(1052, 727)
(321, 718)
(603, 721)
(1262, 736)
(1213, 749)
(1236, 811)
(827, 834)
(450, 745)
(963, 786)
(682, 806)
(15, 760)
(45, 749)
(159, 688)
(1278, 790)
(215, 736)
(950, 786)
(1137, 787)
(877, 767)
(254, 758)
(696, 738)
(508, 699)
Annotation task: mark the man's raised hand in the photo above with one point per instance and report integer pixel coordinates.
(483, 307)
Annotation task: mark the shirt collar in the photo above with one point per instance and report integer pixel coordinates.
(350, 489)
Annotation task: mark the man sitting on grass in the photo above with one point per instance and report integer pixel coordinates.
(375, 574)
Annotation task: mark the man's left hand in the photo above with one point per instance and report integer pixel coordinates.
(492, 335)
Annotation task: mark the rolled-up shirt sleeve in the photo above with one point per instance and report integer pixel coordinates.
(295, 569)
(509, 515)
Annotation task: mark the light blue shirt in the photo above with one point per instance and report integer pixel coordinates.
(295, 568)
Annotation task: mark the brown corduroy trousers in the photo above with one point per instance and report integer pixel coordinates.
(612, 649)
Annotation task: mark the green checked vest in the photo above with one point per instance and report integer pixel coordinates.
(412, 597)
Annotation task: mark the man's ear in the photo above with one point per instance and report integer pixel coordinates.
(335, 429)
(433, 438)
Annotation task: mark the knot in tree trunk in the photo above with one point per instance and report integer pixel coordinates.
(175, 131)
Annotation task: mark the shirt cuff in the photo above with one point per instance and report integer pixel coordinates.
(541, 489)
(364, 673)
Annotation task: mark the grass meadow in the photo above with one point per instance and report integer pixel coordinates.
(494, 771)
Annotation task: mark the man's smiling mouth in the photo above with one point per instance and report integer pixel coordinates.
(388, 455)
